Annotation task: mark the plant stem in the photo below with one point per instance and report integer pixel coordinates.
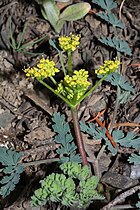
(116, 109)
(56, 93)
(62, 64)
(53, 80)
(78, 135)
(69, 63)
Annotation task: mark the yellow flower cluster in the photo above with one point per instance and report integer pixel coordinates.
(108, 67)
(44, 69)
(69, 42)
(75, 86)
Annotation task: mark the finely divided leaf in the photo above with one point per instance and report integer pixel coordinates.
(119, 80)
(130, 140)
(93, 130)
(105, 4)
(119, 45)
(65, 138)
(112, 19)
(10, 159)
(134, 158)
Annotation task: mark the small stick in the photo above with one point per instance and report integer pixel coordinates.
(121, 197)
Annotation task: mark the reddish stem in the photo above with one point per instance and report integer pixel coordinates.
(79, 136)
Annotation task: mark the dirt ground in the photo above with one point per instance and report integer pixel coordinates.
(26, 107)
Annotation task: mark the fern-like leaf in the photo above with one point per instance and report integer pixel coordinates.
(93, 130)
(10, 160)
(138, 203)
(129, 140)
(105, 4)
(119, 80)
(134, 158)
(65, 138)
(111, 18)
(120, 45)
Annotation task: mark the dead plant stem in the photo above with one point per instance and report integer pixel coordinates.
(38, 162)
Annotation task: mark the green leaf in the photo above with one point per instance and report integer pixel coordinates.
(112, 19)
(51, 12)
(138, 203)
(75, 12)
(9, 157)
(9, 169)
(93, 130)
(65, 138)
(134, 158)
(130, 140)
(119, 45)
(105, 4)
(119, 80)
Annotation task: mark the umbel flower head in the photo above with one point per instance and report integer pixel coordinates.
(69, 42)
(73, 87)
(45, 68)
(108, 67)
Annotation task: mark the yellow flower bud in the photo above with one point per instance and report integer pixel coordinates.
(69, 42)
(108, 67)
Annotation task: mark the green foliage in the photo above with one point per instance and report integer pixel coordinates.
(128, 140)
(75, 170)
(76, 187)
(120, 45)
(93, 130)
(12, 169)
(19, 46)
(111, 18)
(51, 12)
(134, 158)
(125, 88)
(105, 4)
(65, 138)
(138, 203)
(119, 80)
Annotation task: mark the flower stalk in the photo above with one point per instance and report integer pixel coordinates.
(79, 139)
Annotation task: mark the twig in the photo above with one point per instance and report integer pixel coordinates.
(121, 197)
(120, 11)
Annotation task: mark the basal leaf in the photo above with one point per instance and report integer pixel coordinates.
(64, 137)
(6, 189)
(51, 12)
(75, 12)
(134, 158)
(9, 156)
(7, 179)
